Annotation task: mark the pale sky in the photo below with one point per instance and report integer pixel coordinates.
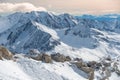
(75, 6)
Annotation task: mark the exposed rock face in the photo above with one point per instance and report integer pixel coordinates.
(68, 58)
(5, 53)
(35, 54)
(80, 64)
(0, 57)
(107, 64)
(115, 68)
(38, 57)
(98, 65)
(106, 73)
(91, 75)
(95, 65)
(91, 64)
(87, 69)
(78, 59)
(118, 72)
(46, 58)
(83, 66)
(29, 36)
(60, 57)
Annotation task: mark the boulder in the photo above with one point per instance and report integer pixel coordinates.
(80, 64)
(87, 69)
(98, 65)
(58, 57)
(68, 58)
(91, 64)
(106, 64)
(116, 68)
(108, 58)
(83, 66)
(5, 53)
(118, 72)
(78, 59)
(1, 58)
(38, 57)
(34, 52)
(106, 74)
(91, 75)
(46, 58)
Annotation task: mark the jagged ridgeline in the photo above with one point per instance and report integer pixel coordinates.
(43, 30)
(59, 47)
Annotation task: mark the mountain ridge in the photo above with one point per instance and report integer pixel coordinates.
(63, 29)
(46, 46)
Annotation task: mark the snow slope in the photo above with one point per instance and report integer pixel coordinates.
(77, 37)
(10, 70)
(28, 69)
(4, 24)
(61, 33)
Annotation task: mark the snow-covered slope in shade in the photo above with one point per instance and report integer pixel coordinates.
(62, 33)
(7, 22)
(21, 38)
(77, 37)
(96, 46)
(4, 24)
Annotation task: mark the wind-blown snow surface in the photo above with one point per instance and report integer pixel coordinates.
(10, 70)
(77, 37)
(28, 69)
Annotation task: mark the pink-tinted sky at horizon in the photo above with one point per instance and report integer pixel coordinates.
(76, 6)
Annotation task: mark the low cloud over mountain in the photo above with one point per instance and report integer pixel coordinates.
(19, 7)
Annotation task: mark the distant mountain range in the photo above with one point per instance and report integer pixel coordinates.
(80, 38)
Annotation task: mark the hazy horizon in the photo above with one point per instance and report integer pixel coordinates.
(71, 6)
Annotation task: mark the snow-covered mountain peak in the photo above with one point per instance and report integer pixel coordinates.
(37, 29)
(66, 47)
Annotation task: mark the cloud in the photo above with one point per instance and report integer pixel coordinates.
(19, 7)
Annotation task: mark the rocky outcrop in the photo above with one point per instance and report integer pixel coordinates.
(5, 53)
(78, 59)
(46, 58)
(80, 64)
(60, 57)
(36, 55)
(68, 58)
(1, 58)
(91, 64)
(107, 66)
(83, 66)
(115, 68)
